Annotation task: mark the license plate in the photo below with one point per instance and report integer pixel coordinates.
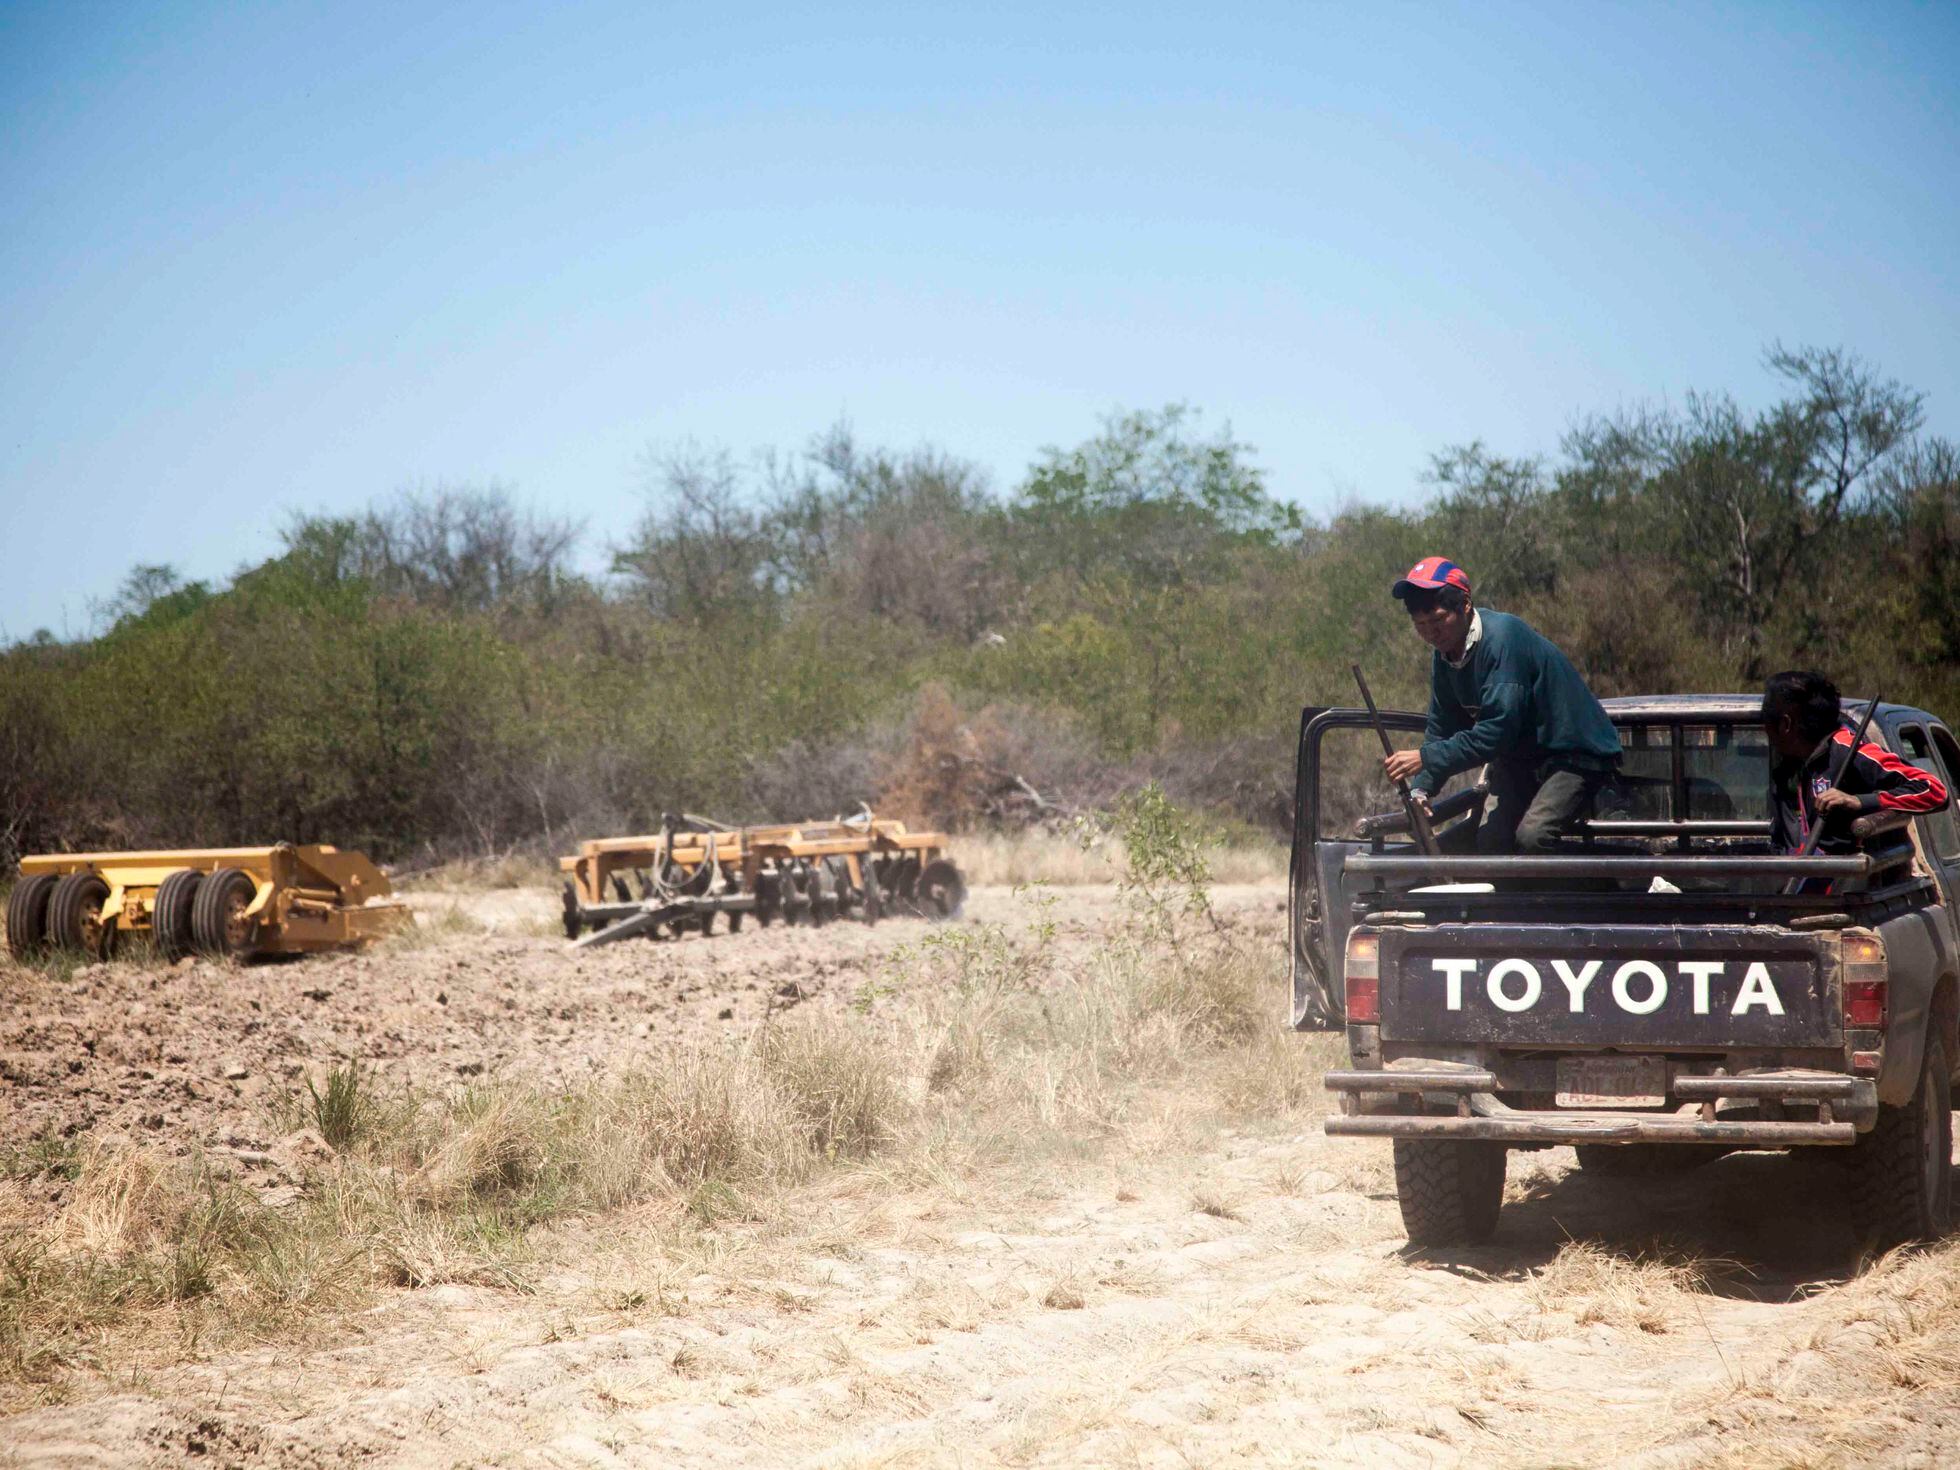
(1612, 1082)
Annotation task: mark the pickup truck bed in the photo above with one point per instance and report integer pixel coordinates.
(1585, 998)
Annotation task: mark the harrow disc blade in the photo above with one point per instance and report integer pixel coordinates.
(942, 891)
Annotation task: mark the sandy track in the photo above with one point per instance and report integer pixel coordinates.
(1113, 1323)
(1214, 1298)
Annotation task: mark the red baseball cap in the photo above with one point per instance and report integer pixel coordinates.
(1429, 574)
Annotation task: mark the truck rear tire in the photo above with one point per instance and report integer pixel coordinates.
(1901, 1184)
(1450, 1193)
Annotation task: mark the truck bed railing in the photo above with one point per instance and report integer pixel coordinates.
(1458, 869)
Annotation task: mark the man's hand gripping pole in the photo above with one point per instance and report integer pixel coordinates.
(1425, 835)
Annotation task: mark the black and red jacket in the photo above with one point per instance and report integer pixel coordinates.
(1878, 778)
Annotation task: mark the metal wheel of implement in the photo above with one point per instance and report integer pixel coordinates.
(218, 923)
(942, 891)
(170, 916)
(27, 916)
(75, 919)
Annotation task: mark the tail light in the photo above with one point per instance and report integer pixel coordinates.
(1864, 981)
(1363, 972)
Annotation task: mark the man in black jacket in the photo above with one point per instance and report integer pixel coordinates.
(1809, 741)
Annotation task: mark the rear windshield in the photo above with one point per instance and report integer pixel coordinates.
(1724, 774)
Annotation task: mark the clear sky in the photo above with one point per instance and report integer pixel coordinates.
(260, 258)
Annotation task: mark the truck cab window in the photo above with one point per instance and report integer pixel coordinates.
(1920, 750)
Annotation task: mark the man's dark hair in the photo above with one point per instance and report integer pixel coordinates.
(1812, 698)
(1422, 599)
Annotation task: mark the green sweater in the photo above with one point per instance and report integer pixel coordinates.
(1517, 697)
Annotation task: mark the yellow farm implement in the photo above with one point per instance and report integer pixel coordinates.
(215, 901)
(695, 871)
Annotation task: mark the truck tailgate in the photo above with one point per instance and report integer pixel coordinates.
(1620, 986)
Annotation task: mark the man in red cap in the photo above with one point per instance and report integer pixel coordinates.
(1501, 695)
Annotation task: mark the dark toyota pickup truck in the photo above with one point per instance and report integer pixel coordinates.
(1661, 990)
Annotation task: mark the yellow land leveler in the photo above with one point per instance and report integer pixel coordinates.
(216, 901)
(695, 870)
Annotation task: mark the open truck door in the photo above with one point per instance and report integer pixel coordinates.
(1337, 782)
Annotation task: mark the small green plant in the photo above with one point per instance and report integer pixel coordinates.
(344, 1108)
(46, 1155)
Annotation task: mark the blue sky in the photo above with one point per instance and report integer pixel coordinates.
(262, 258)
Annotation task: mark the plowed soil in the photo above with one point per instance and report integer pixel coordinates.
(1244, 1298)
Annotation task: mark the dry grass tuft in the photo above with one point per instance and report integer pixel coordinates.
(1065, 1295)
(1650, 1293)
(1877, 1379)
(1015, 859)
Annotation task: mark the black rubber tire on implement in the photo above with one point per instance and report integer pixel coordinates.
(170, 916)
(823, 901)
(75, 916)
(1450, 1192)
(27, 916)
(1901, 1173)
(218, 925)
(905, 884)
(1644, 1160)
(874, 896)
(942, 891)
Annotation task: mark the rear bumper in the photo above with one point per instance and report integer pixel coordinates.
(1843, 1104)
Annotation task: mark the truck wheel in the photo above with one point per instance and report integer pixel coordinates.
(1902, 1171)
(170, 916)
(1449, 1192)
(218, 922)
(75, 918)
(27, 917)
(1643, 1160)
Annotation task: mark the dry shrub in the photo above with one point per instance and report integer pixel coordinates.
(1648, 1293)
(1004, 766)
(490, 1142)
(473, 874)
(1877, 1379)
(437, 926)
(843, 1086)
(1218, 994)
(124, 1199)
(705, 1114)
(1278, 1072)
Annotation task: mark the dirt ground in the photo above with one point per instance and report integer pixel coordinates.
(1239, 1296)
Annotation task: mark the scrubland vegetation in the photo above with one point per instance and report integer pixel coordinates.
(967, 1053)
(786, 635)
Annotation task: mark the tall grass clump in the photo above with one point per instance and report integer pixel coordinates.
(1014, 1043)
(344, 1107)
